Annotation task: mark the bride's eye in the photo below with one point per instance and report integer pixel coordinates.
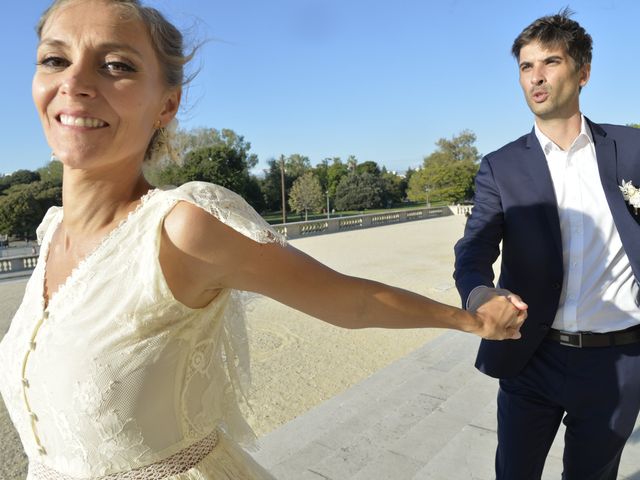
(53, 62)
(118, 67)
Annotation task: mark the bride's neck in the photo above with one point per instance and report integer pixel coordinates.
(92, 201)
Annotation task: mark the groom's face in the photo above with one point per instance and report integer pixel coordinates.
(550, 80)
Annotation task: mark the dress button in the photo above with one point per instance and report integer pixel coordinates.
(25, 383)
(32, 345)
(33, 416)
(42, 451)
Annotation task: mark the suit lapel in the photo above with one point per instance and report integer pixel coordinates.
(535, 165)
(608, 167)
(627, 226)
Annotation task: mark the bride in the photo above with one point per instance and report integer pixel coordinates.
(125, 359)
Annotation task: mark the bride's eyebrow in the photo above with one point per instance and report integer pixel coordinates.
(119, 47)
(46, 42)
(106, 47)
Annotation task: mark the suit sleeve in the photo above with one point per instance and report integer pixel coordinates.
(480, 246)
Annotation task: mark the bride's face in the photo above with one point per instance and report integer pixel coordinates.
(98, 86)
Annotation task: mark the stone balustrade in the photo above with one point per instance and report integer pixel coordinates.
(26, 263)
(18, 263)
(355, 222)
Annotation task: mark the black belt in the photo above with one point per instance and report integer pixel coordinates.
(593, 339)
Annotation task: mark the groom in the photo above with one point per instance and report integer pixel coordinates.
(571, 251)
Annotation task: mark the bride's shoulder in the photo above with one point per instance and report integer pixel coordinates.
(197, 202)
(204, 194)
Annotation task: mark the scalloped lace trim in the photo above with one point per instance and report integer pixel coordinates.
(106, 240)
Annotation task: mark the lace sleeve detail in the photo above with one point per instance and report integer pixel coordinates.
(234, 354)
(46, 221)
(231, 209)
(233, 351)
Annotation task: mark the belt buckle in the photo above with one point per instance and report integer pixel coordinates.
(566, 337)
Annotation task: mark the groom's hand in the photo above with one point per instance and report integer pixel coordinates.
(499, 312)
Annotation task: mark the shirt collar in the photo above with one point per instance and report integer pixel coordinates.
(585, 136)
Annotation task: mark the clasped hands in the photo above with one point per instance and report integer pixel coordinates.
(499, 313)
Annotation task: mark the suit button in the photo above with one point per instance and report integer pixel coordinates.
(557, 286)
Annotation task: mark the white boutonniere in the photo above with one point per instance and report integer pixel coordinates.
(631, 195)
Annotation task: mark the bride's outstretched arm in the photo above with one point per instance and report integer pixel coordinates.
(203, 254)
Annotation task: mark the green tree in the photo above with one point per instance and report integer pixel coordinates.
(23, 205)
(271, 184)
(306, 194)
(321, 170)
(295, 166)
(368, 167)
(394, 187)
(447, 174)
(634, 125)
(358, 191)
(52, 172)
(335, 172)
(409, 173)
(218, 157)
(352, 163)
(19, 177)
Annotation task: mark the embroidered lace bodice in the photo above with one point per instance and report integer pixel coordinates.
(115, 374)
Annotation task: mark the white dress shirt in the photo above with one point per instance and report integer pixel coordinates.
(599, 288)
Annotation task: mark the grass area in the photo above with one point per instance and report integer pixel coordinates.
(276, 217)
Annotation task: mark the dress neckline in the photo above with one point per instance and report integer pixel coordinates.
(81, 266)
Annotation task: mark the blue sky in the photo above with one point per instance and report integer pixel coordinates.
(381, 80)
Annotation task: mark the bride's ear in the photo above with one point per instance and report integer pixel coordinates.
(171, 103)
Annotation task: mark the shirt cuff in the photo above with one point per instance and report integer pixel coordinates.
(481, 294)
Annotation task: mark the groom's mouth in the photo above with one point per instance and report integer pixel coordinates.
(540, 96)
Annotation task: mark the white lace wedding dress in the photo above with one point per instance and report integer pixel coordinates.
(115, 379)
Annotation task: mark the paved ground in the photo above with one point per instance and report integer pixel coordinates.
(13, 465)
(428, 416)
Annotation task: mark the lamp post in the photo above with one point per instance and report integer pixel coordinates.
(284, 204)
(427, 190)
(328, 214)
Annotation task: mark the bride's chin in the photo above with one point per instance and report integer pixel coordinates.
(77, 162)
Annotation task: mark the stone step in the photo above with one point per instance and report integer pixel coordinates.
(354, 431)
(428, 416)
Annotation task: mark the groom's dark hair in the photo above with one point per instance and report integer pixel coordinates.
(557, 30)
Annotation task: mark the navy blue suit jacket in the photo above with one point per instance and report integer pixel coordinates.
(515, 204)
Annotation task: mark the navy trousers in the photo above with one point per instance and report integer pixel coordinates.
(594, 391)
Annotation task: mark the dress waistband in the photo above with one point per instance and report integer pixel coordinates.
(177, 463)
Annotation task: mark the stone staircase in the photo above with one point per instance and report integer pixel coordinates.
(428, 416)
